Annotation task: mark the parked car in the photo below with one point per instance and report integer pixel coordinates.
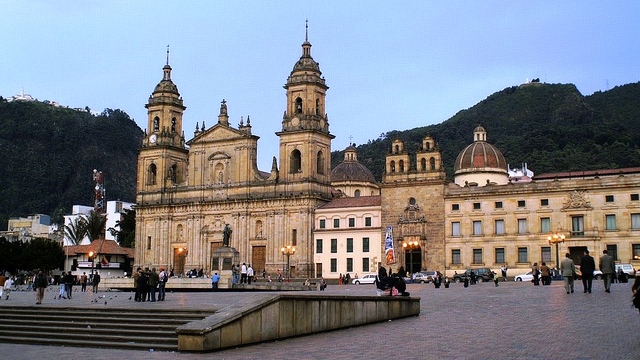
(525, 277)
(367, 279)
(482, 274)
(627, 269)
(423, 277)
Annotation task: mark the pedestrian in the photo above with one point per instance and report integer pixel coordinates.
(94, 282)
(143, 283)
(162, 284)
(40, 284)
(495, 278)
(503, 270)
(68, 284)
(8, 284)
(635, 290)
(215, 279)
(545, 274)
(83, 282)
(587, 267)
(250, 274)
(608, 267)
(154, 279)
(243, 274)
(568, 270)
(3, 279)
(62, 289)
(535, 271)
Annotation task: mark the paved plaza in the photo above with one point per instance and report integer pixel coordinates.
(512, 321)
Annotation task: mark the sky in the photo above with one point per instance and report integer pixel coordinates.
(389, 65)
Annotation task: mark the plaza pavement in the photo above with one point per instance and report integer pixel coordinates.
(512, 321)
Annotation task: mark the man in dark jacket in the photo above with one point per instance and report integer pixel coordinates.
(587, 267)
(39, 285)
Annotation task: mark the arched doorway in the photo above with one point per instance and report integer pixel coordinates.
(412, 254)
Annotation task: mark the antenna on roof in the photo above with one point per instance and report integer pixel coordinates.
(167, 54)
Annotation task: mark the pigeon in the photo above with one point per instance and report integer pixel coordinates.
(105, 303)
(129, 297)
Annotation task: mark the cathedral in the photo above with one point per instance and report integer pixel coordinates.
(188, 192)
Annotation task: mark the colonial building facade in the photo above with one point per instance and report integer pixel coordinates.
(187, 191)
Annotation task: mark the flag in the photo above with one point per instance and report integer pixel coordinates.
(389, 251)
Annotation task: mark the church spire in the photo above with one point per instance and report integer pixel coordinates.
(167, 54)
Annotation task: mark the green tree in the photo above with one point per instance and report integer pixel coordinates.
(43, 254)
(126, 236)
(77, 230)
(96, 225)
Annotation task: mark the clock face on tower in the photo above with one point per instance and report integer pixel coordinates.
(153, 138)
(295, 121)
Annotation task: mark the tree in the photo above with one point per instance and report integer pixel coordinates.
(76, 230)
(43, 254)
(95, 225)
(126, 236)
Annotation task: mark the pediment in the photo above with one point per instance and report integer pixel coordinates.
(218, 133)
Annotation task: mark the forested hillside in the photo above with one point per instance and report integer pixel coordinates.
(48, 155)
(551, 127)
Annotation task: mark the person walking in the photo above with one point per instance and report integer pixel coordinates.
(62, 292)
(8, 284)
(608, 267)
(40, 284)
(535, 271)
(83, 282)
(587, 267)
(68, 284)
(567, 269)
(545, 274)
(94, 282)
(3, 279)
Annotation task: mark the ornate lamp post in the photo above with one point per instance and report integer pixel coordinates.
(288, 251)
(556, 238)
(91, 257)
(409, 247)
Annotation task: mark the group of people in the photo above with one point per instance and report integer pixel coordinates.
(344, 279)
(587, 267)
(148, 283)
(393, 283)
(243, 274)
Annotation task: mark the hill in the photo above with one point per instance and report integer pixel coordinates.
(551, 127)
(49, 153)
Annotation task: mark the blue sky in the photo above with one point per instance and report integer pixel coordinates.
(389, 65)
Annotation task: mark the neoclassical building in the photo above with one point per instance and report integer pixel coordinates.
(187, 191)
(489, 218)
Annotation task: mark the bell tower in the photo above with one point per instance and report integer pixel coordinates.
(305, 141)
(162, 161)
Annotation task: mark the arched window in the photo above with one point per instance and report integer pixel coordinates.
(432, 163)
(156, 124)
(320, 162)
(298, 105)
(397, 149)
(423, 164)
(356, 193)
(401, 164)
(392, 165)
(152, 172)
(295, 162)
(173, 125)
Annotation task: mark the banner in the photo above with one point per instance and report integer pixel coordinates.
(389, 251)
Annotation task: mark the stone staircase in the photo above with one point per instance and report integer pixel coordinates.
(140, 329)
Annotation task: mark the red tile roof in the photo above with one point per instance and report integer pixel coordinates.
(100, 246)
(346, 202)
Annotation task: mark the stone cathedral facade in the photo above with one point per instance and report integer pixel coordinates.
(188, 191)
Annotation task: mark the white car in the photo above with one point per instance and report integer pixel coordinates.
(524, 277)
(367, 279)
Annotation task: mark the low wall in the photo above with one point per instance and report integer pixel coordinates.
(173, 283)
(288, 315)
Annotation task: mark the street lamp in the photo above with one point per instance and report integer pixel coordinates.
(288, 251)
(91, 256)
(410, 247)
(556, 238)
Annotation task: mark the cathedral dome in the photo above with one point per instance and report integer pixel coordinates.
(481, 160)
(350, 169)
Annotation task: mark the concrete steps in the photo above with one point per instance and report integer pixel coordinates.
(141, 329)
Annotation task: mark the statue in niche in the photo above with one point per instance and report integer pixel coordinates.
(226, 235)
